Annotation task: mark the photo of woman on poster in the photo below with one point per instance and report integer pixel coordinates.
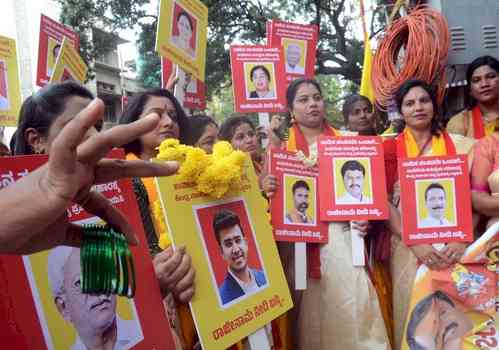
(261, 79)
(184, 31)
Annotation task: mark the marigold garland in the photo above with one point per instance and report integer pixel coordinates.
(214, 174)
(160, 225)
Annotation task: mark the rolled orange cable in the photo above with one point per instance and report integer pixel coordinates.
(424, 36)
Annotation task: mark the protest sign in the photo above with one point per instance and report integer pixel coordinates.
(257, 78)
(41, 304)
(49, 46)
(352, 179)
(295, 206)
(228, 239)
(195, 90)
(69, 65)
(181, 34)
(10, 93)
(299, 42)
(455, 308)
(433, 190)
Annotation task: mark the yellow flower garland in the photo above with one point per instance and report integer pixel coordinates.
(214, 174)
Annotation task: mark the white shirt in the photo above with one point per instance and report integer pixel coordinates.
(430, 221)
(347, 198)
(296, 69)
(128, 335)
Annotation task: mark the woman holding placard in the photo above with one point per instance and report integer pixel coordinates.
(482, 92)
(422, 136)
(340, 308)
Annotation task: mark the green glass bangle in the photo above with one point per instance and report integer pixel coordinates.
(106, 262)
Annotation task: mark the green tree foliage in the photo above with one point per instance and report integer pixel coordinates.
(339, 50)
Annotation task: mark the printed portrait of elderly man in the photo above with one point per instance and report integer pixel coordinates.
(93, 316)
(240, 279)
(353, 174)
(293, 58)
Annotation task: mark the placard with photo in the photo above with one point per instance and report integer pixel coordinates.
(295, 206)
(435, 195)
(299, 42)
(181, 34)
(257, 78)
(41, 303)
(69, 65)
(195, 91)
(10, 92)
(49, 46)
(352, 179)
(240, 282)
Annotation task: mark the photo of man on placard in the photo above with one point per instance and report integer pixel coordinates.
(302, 196)
(436, 203)
(94, 317)
(436, 323)
(294, 55)
(353, 175)
(240, 279)
(52, 52)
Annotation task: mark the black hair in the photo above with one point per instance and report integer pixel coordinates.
(404, 89)
(300, 184)
(42, 109)
(57, 46)
(229, 126)
(293, 89)
(135, 108)
(186, 15)
(265, 70)
(418, 314)
(432, 186)
(197, 127)
(352, 165)
(349, 103)
(474, 65)
(225, 219)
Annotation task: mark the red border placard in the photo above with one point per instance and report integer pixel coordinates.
(242, 59)
(303, 35)
(336, 205)
(416, 175)
(57, 31)
(192, 100)
(19, 322)
(285, 166)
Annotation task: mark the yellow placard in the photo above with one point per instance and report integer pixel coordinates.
(240, 282)
(69, 64)
(10, 95)
(181, 34)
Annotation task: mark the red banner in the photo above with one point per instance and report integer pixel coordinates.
(51, 35)
(435, 197)
(257, 78)
(41, 304)
(299, 43)
(295, 206)
(352, 178)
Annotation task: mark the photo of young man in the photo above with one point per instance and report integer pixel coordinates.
(240, 278)
(353, 174)
(300, 192)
